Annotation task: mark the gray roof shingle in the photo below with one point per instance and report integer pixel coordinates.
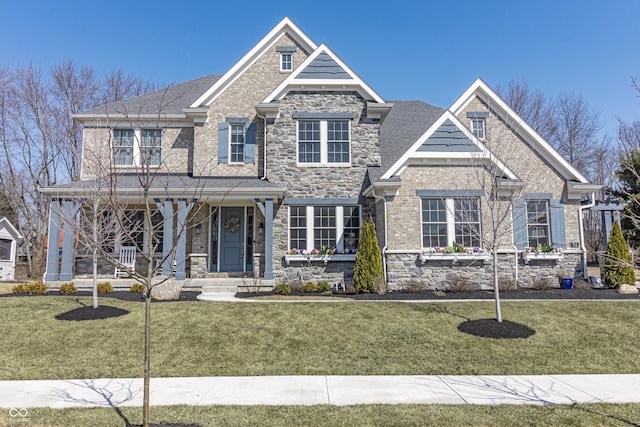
(170, 100)
(404, 124)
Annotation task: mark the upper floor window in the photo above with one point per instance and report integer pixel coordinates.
(477, 127)
(151, 146)
(236, 143)
(478, 122)
(325, 142)
(447, 220)
(286, 61)
(137, 147)
(123, 147)
(286, 57)
(538, 223)
(236, 140)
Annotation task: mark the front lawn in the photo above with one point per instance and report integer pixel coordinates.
(319, 338)
(362, 415)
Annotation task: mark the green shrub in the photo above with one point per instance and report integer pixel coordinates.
(105, 288)
(37, 288)
(310, 287)
(618, 266)
(324, 286)
(368, 267)
(21, 288)
(68, 289)
(137, 288)
(283, 289)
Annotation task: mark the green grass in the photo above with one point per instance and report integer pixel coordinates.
(347, 338)
(370, 415)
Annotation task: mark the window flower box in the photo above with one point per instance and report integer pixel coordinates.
(542, 256)
(542, 253)
(324, 255)
(442, 254)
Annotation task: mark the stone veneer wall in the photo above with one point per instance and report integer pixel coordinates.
(318, 182)
(405, 270)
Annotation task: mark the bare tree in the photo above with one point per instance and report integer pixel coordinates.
(576, 134)
(40, 142)
(532, 105)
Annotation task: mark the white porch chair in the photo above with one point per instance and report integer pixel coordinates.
(127, 259)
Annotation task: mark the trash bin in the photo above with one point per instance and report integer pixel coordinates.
(567, 283)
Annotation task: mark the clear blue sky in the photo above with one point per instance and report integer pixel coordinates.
(421, 49)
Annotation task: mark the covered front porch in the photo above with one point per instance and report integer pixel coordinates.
(201, 227)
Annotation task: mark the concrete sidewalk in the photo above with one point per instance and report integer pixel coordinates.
(323, 390)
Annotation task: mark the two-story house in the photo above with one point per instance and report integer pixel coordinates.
(271, 168)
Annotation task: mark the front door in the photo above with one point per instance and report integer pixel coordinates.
(232, 239)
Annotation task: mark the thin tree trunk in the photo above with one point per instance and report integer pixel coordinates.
(95, 278)
(147, 357)
(496, 286)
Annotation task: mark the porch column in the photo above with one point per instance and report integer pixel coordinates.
(166, 210)
(181, 245)
(69, 210)
(268, 240)
(53, 241)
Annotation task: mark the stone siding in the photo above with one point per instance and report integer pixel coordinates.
(406, 271)
(321, 181)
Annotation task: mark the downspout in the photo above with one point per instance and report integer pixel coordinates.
(585, 273)
(384, 249)
(264, 146)
(516, 260)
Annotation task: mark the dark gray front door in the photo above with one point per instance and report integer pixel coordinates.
(232, 239)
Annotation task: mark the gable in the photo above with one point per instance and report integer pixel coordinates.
(447, 141)
(479, 89)
(448, 138)
(286, 27)
(323, 71)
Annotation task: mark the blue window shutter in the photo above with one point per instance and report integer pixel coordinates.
(519, 217)
(223, 142)
(250, 143)
(558, 234)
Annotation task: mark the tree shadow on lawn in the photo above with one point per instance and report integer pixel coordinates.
(89, 313)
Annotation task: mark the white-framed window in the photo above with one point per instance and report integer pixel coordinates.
(314, 227)
(448, 220)
(123, 147)
(324, 142)
(6, 252)
(135, 147)
(478, 128)
(236, 142)
(286, 61)
(538, 225)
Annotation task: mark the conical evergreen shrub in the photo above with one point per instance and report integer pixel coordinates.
(368, 269)
(618, 265)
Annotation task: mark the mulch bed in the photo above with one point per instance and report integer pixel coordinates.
(491, 328)
(90, 313)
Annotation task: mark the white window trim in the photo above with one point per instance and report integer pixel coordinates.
(449, 206)
(282, 55)
(547, 225)
(324, 145)
(309, 216)
(137, 148)
(229, 150)
(484, 128)
(12, 250)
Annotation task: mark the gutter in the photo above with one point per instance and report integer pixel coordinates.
(585, 273)
(264, 146)
(384, 249)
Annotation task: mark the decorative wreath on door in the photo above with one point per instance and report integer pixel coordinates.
(232, 224)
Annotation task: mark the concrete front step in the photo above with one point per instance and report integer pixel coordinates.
(219, 289)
